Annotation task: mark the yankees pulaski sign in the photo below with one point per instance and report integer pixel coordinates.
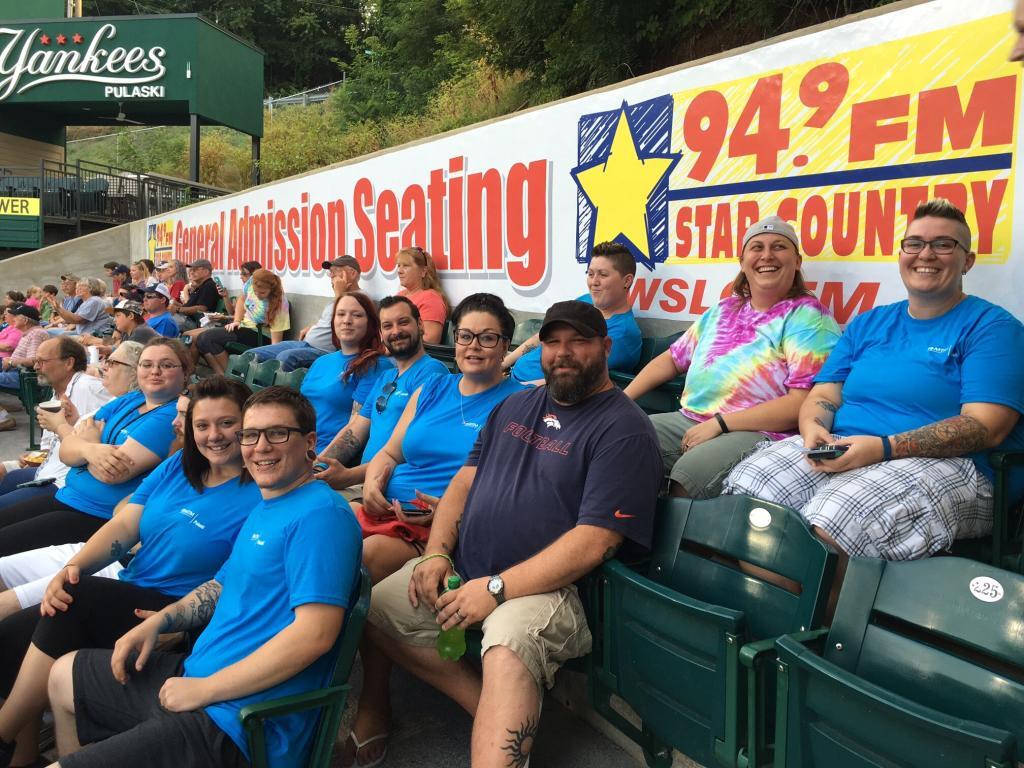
(158, 68)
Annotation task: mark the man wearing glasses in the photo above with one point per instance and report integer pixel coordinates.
(272, 616)
(915, 394)
(401, 331)
(60, 363)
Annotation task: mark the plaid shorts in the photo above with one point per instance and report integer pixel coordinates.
(896, 510)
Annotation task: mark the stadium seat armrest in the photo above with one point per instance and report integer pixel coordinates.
(751, 652)
(298, 702)
(1005, 459)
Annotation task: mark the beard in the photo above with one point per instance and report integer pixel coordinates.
(571, 388)
(411, 342)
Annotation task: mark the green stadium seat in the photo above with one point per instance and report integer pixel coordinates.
(923, 666)
(31, 393)
(238, 366)
(665, 398)
(291, 379)
(261, 375)
(687, 639)
(330, 700)
(525, 329)
(445, 351)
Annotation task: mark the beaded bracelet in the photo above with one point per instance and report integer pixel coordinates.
(424, 559)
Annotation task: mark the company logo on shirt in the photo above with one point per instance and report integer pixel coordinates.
(551, 421)
(256, 537)
(943, 351)
(193, 518)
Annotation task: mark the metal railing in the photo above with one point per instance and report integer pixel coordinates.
(85, 191)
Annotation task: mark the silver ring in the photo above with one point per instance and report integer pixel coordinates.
(459, 614)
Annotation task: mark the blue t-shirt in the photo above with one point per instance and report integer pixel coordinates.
(331, 397)
(186, 535)
(899, 373)
(164, 325)
(430, 463)
(121, 420)
(624, 356)
(300, 548)
(382, 423)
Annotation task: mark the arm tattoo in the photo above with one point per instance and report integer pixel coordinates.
(610, 553)
(519, 743)
(827, 405)
(117, 549)
(346, 448)
(957, 436)
(192, 611)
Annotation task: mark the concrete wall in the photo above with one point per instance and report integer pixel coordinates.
(86, 255)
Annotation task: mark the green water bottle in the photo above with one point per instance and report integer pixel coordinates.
(451, 643)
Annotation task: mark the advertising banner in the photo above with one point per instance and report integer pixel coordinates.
(842, 132)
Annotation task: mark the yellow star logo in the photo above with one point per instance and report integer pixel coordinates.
(619, 187)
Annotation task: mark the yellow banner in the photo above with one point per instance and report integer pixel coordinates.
(19, 206)
(846, 147)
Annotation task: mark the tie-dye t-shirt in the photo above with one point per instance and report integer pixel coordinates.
(736, 357)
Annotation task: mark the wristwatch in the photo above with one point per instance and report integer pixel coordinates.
(496, 587)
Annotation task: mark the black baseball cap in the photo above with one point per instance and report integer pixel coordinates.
(344, 261)
(25, 309)
(201, 263)
(585, 318)
(120, 269)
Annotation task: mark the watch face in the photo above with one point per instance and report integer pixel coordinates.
(495, 585)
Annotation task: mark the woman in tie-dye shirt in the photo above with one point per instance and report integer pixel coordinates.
(749, 363)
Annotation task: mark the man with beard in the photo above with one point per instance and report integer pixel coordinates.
(401, 331)
(560, 477)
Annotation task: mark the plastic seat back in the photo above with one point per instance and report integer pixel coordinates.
(670, 640)
(923, 665)
(261, 375)
(525, 329)
(291, 379)
(238, 366)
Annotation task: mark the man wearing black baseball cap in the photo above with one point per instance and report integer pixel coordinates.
(202, 295)
(345, 268)
(522, 539)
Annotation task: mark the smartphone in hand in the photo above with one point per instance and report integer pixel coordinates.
(826, 452)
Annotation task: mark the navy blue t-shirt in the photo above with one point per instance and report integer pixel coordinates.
(544, 468)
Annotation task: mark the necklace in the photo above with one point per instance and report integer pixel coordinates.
(462, 413)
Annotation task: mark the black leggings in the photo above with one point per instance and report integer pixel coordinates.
(102, 611)
(213, 341)
(42, 522)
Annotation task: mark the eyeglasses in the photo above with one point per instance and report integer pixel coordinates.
(108, 362)
(274, 435)
(941, 246)
(163, 365)
(487, 339)
(386, 392)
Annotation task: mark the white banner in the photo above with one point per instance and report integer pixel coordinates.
(842, 132)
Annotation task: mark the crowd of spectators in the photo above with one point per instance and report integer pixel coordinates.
(172, 503)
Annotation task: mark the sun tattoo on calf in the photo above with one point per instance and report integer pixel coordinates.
(519, 743)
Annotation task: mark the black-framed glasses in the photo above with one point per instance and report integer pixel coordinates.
(942, 246)
(386, 392)
(487, 339)
(274, 435)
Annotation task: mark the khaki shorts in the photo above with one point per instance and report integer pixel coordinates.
(702, 469)
(544, 631)
(352, 493)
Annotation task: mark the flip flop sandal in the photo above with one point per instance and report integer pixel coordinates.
(359, 745)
